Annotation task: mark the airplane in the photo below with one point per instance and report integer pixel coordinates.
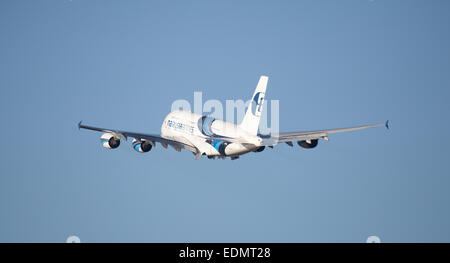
(204, 135)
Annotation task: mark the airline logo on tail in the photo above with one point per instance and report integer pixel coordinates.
(257, 103)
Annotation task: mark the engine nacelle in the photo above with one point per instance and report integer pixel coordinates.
(260, 149)
(308, 145)
(142, 146)
(110, 141)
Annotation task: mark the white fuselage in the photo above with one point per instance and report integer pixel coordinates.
(200, 131)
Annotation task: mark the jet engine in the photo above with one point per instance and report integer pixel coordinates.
(260, 149)
(142, 146)
(110, 141)
(308, 144)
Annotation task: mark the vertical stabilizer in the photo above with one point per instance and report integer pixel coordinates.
(250, 123)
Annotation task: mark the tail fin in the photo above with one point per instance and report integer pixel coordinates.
(250, 123)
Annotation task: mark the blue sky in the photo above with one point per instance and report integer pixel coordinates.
(121, 64)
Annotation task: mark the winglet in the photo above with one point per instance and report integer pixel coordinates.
(387, 124)
(79, 125)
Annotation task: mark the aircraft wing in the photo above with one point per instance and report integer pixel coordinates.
(139, 136)
(289, 137)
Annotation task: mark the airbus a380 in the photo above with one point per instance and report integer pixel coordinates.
(204, 135)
